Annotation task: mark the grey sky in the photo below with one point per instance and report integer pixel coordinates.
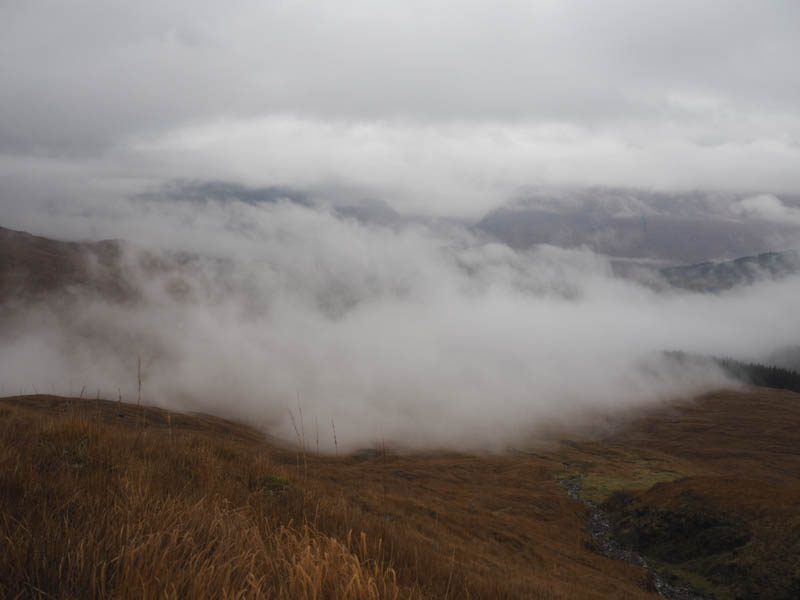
(444, 107)
(423, 333)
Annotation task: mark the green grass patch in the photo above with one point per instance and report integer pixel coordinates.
(565, 475)
(597, 487)
(626, 472)
(269, 484)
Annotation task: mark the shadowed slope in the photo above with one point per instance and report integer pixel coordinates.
(34, 266)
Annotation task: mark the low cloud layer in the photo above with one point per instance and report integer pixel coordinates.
(426, 338)
(437, 109)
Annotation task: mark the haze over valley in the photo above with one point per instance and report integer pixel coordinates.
(399, 300)
(423, 333)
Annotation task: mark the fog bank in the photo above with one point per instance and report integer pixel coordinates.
(419, 336)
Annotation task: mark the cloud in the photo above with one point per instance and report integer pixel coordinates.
(768, 208)
(442, 109)
(423, 337)
(446, 109)
(458, 169)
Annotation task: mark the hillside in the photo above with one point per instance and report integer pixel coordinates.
(707, 490)
(106, 499)
(635, 224)
(34, 266)
(724, 275)
(103, 499)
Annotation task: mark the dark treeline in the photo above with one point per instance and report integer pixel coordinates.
(751, 373)
(762, 375)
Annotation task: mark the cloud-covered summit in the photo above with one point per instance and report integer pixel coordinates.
(443, 108)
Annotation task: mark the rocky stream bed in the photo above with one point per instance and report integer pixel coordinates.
(601, 530)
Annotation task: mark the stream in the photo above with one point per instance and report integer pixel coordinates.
(600, 528)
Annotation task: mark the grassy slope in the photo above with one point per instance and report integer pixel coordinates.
(713, 490)
(98, 504)
(94, 504)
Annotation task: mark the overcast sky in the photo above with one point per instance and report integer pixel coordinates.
(434, 106)
(421, 334)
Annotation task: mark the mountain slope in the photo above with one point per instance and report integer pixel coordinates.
(34, 266)
(76, 472)
(636, 224)
(720, 276)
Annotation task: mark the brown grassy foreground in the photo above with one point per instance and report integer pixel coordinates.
(101, 502)
(97, 505)
(92, 510)
(711, 490)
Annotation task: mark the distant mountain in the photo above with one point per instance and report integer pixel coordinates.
(718, 276)
(632, 224)
(373, 212)
(205, 191)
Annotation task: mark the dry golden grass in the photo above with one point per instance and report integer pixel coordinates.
(100, 500)
(729, 453)
(93, 505)
(92, 511)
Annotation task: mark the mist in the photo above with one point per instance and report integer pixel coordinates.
(444, 110)
(417, 335)
(369, 152)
